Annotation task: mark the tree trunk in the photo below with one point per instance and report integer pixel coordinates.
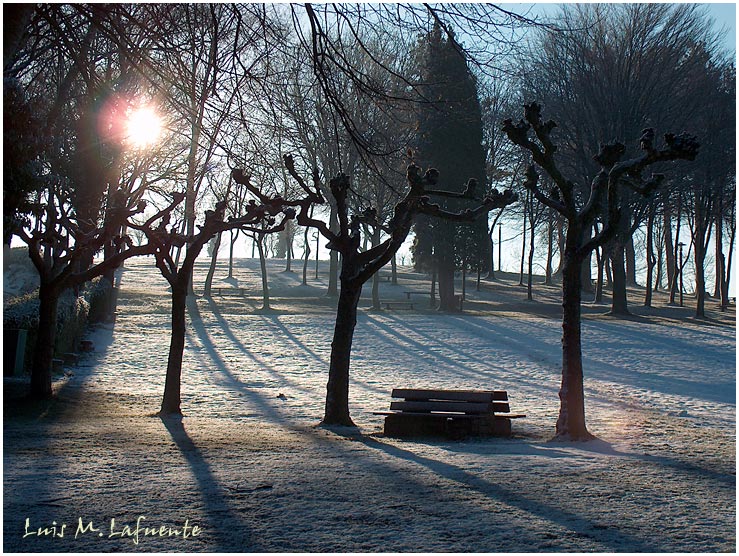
(333, 265)
(464, 280)
(263, 268)
(180, 250)
(445, 268)
(376, 291)
(700, 240)
(670, 269)
(550, 249)
(723, 302)
(306, 255)
(651, 261)
(172, 386)
(586, 280)
(571, 421)
(432, 297)
(529, 292)
(212, 268)
(337, 389)
(700, 279)
(523, 244)
(376, 276)
(619, 303)
(288, 247)
(500, 247)
(491, 241)
(719, 258)
(630, 262)
(394, 270)
(45, 339)
(561, 235)
(234, 235)
(727, 280)
(677, 271)
(659, 262)
(109, 249)
(601, 258)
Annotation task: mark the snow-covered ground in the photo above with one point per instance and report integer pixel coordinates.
(248, 464)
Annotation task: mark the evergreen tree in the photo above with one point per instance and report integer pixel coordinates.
(450, 139)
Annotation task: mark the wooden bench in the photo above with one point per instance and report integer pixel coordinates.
(400, 304)
(71, 358)
(87, 346)
(409, 293)
(450, 413)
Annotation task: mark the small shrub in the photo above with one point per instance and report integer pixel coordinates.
(72, 317)
(100, 296)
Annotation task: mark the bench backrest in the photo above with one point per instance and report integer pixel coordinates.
(456, 401)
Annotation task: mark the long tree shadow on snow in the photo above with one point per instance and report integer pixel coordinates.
(220, 514)
(603, 370)
(228, 377)
(274, 319)
(617, 540)
(274, 322)
(394, 334)
(200, 329)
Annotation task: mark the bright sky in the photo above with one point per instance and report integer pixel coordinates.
(724, 14)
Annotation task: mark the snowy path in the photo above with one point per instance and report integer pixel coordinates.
(252, 469)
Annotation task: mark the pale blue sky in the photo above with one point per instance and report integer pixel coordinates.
(724, 15)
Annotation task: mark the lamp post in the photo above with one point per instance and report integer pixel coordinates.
(681, 245)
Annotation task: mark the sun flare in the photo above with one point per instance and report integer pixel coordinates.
(143, 128)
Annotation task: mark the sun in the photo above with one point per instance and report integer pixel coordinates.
(143, 127)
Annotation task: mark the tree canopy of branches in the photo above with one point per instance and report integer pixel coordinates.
(607, 71)
(358, 266)
(268, 216)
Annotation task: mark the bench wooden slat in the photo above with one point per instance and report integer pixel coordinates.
(389, 304)
(443, 405)
(448, 415)
(446, 406)
(452, 395)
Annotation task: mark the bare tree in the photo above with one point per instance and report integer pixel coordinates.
(604, 199)
(56, 249)
(359, 266)
(276, 211)
(611, 70)
(221, 197)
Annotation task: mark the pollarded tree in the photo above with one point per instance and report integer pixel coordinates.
(609, 71)
(604, 201)
(56, 249)
(275, 211)
(358, 266)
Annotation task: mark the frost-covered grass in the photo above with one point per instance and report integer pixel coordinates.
(248, 464)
